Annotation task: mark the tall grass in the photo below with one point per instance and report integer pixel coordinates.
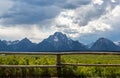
(67, 71)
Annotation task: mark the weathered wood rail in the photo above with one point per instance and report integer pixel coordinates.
(58, 59)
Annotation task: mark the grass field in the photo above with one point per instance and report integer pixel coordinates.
(67, 71)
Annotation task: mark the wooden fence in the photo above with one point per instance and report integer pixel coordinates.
(58, 59)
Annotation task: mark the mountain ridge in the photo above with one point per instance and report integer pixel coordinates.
(58, 42)
(103, 44)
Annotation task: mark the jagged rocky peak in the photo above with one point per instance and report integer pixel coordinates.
(59, 42)
(58, 36)
(25, 40)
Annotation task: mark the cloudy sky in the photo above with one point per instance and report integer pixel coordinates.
(83, 20)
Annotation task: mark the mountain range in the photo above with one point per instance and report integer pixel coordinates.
(58, 42)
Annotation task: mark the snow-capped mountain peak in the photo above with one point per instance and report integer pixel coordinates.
(59, 42)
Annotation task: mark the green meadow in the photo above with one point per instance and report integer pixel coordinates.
(66, 71)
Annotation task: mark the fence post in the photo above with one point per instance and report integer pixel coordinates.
(58, 65)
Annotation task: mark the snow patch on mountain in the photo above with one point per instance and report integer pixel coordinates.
(117, 43)
(56, 39)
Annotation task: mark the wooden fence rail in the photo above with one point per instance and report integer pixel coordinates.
(58, 59)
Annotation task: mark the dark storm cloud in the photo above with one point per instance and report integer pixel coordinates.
(61, 3)
(37, 11)
(29, 14)
(39, 2)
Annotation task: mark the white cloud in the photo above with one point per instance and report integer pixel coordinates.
(113, 1)
(94, 27)
(34, 33)
(65, 23)
(116, 12)
(99, 2)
